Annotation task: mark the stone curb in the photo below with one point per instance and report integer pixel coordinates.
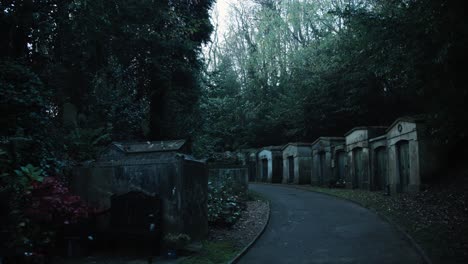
(246, 248)
(402, 232)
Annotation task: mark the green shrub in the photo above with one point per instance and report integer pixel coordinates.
(83, 143)
(225, 202)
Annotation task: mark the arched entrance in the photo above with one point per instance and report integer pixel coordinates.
(380, 171)
(403, 165)
(340, 164)
(358, 167)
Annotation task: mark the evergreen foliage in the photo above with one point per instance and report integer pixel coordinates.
(76, 74)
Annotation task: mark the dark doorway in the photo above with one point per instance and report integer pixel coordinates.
(403, 164)
(340, 158)
(252, 171)
(380, 172)
(264, 170)
(358, 168)
(321, 168)
(277, 170)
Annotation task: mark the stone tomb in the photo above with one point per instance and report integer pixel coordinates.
(379, 163)
(271, 164)
(327, 167)
(155, 169)
(250, 160)
(297, 163)
(411, 155)
(340, 162)
(357, 147)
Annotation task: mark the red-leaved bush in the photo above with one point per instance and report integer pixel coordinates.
(52, 203)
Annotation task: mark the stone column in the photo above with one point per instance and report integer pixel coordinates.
(315, 168)
(270, 169)
(285, 170)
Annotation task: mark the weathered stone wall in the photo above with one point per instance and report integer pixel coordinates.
(323, 160)
(220, 173)
(358, 178)
(423, 154)
(180, 183)
(302, 157)
(357, 147)
(274, 161)
(403, 132)
(194, 211)
(359, 160)
(321, 163)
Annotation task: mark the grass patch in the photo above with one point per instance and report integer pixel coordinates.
(436, 219)
(213, 252)
(255, 196)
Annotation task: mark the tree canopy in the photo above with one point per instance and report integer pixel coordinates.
(297, 70)
(75, 75)
(123, 65)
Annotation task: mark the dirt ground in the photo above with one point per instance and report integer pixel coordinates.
(246, 228)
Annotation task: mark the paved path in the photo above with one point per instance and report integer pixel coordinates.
(308, 227)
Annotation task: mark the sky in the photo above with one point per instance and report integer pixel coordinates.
(222, 8)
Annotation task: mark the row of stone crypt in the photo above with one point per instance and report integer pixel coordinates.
(397, 158)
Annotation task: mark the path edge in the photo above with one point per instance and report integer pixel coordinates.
(402, 232)
(246, 248)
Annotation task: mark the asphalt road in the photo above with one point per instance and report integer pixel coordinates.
(308, 227)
